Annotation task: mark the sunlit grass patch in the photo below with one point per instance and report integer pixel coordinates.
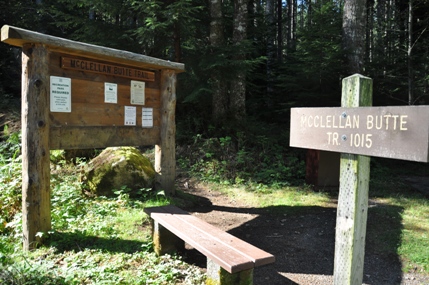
(414, 247)
(413, 226)
(285, 196)
(414, 250)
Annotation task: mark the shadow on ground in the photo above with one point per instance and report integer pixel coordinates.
(303, 242)
(301, 238)
(64, 241)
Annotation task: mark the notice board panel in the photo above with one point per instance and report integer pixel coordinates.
(101, 102)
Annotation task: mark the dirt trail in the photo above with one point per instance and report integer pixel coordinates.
(302, 239)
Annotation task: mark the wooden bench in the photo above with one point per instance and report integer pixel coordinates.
(229, 259)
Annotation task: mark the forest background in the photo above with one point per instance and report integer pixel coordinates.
(247, 62)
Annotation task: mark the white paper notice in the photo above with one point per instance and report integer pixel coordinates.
(147, 117)
(60, 95)
(137, 92)
(130, 115)
(110, 92)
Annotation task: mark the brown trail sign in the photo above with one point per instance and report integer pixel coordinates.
(359, 131)
(391, 132)
(76, 96)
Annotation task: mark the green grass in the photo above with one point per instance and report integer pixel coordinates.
(93, 240)
(414, 248)
(259, 195)
(107, 240)
(405, 213)
(398, 221)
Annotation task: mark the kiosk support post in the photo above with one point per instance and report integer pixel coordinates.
(36, 212)
(165, 152)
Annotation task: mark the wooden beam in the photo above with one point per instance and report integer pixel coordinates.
(165, 152)
(101, 137)
(20, 37)
(352, 210)
(36, 195)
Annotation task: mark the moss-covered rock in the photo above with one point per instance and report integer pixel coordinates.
(116, 167)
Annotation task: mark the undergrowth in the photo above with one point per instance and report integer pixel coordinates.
(107, 240)
(242, 160)
(93, 240)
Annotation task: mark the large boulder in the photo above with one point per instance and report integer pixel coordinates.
(116, 167)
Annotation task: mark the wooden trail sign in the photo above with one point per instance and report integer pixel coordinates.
(391, 132)
(108, 69)
(76, 96)
(358, 132)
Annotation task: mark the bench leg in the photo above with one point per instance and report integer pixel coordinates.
(216, 275)
(165, 241)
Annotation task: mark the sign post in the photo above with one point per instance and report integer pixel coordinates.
(352, 209)
(337, 129)
(358, 132)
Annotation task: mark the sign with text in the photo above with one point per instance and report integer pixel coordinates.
(107, 69)
(60, 94)
(130, 116)
(137, 92)
(110, 92)
(147, 117)
(390, 132)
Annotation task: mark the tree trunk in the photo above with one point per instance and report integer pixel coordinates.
(289, 26)
(291, 32)
(409, 54)
(354, 23)
(380, 35)
(370, 31)
(279, 30)
(219, 95)
(238, 87)
(293, 21)
(177, 43)
(269, 18)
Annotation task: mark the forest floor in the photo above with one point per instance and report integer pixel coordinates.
(302, 240)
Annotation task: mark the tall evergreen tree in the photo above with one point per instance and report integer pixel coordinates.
(238, 85)
(409, 54)
(292, 20)
(271, 51)
(217, 40)
(354, 24)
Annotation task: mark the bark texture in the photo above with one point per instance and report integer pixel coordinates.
(354, 23)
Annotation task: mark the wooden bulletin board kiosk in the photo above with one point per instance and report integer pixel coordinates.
(77, 96)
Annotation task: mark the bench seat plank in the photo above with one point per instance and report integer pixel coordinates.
(258, 256)
(231, 253)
